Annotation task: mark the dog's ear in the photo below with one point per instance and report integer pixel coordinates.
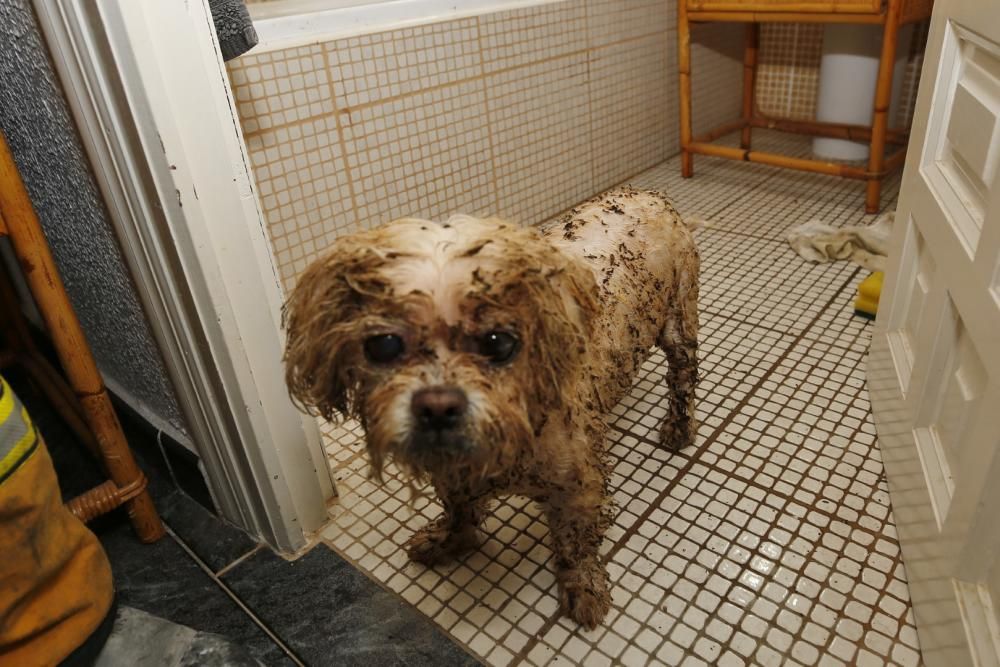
(321, 320)
(567, 303)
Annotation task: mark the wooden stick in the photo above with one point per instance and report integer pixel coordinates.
(749, 75)
(880, 119)
(39, 268)
(738, 16)
(803, 7)
(684, 72)
(821, 129)
(775, 160)
(721, 131)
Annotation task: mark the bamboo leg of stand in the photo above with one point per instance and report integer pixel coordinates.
(684, 71)
(880, 119)
(749, 79)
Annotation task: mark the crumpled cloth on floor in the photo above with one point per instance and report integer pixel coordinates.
(865, 245)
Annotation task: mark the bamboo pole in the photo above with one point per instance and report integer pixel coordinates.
(775, 160)
(880, 119)
(832, 130)
(738, 16)
(684, 72)
(803, 6)
(749, 75)
(720, 131)
(36, 261)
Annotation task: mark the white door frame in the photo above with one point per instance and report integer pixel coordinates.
(149, 91)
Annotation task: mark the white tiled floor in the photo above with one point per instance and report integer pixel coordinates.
(770, 542)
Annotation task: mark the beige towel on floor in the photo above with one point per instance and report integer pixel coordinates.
(865, 245)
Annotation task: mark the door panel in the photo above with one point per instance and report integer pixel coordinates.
(934, 366)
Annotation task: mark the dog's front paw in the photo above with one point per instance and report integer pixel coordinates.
(586, 600)
(438, 542)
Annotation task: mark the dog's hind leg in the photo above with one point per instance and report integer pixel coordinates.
(679, 342)
(452, 533)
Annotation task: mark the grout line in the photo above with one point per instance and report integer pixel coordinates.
(852, 524)
(790, 91)
(491, 137)
(235, 598)
(340, 135)
(766, 577)
(749, 481)
(834, 343)
(587, 61)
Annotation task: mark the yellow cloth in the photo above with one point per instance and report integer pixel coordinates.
(55, 579)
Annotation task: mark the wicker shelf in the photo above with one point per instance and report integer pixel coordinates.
(890, 14)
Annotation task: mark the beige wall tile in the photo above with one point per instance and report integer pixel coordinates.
(370, 68)
(521, 114)
(423, 155)
(522, 36)
(716, 75)
(304, 190)
(280, 87)
(540, 120)
(633, 97)
(610, 21)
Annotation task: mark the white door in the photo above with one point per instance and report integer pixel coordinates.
(934, 368)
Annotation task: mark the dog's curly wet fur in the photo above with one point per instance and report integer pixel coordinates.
(578, 304)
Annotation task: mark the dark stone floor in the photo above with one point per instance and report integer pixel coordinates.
(209, 575)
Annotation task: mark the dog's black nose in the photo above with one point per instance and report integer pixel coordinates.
(439, 408)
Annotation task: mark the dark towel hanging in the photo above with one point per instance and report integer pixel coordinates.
(233, 27)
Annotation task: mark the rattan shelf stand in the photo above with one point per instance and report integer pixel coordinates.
(891, 14)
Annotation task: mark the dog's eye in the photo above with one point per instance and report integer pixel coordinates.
(384, 348)
(498, 346)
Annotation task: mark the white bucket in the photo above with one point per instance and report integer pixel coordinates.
(847, 76)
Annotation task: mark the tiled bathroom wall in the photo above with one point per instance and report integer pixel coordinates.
(788, 71)
(521, 113)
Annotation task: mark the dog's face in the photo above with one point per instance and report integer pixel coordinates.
(451, 343)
